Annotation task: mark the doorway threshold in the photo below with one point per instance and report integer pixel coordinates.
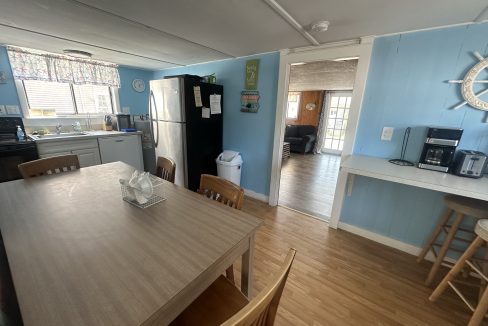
(323, 219)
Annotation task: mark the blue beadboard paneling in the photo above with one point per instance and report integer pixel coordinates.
(406, 87)
(251, 134)
(8, 91)
(137, 102)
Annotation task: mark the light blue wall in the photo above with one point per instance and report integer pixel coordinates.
(137, 102)
(8, 91)
(406, 87)
(249, 133)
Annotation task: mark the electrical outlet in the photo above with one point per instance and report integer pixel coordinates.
(3, 111)
(126, 109)
(387, 133)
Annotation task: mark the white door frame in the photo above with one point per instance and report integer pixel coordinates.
(358, 48)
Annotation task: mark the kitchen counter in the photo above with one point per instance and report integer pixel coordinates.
(85, 135)
(380, 168)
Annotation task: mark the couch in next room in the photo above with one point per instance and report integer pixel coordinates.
(301, 138)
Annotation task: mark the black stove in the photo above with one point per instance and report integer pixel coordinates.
(12, 150)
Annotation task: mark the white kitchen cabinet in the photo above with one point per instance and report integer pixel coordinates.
(127, 149)
(86, 149)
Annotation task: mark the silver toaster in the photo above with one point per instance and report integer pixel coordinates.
(469, 163)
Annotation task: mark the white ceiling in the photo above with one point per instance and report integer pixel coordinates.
(157, 34)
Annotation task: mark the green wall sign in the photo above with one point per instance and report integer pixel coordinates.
(252, 70)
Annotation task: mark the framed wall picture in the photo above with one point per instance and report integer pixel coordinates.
(252, 72)
(250, 101)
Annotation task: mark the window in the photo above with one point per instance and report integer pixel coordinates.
(293, 105)
(48, 99)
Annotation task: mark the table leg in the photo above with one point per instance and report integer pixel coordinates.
(246, 270)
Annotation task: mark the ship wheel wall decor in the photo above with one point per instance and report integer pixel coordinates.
(467, 86)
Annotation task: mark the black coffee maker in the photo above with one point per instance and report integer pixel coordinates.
(439, 148)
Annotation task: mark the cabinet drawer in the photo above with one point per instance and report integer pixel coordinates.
(66, 146)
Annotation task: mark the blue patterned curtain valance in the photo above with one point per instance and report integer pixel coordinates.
(30, 64)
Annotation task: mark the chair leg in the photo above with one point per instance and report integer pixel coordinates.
(480, 311)
(477, 242)
(229, 273)
(435, 234)
(445, 246)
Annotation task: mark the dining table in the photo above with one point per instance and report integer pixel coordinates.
(80, 255)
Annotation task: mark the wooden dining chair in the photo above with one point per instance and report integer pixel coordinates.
(49, 165)
(221, 190)
(166, 169)
(225, 192)
(223, 304)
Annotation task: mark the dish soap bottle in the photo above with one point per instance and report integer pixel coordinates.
(20, 133)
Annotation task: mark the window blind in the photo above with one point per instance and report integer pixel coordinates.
(49, 99)
(92, 99)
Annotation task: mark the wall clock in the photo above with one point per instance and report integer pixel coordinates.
(310, 106)
(138, 85)
(467, 89)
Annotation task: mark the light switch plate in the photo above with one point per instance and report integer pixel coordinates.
(126, 109)
(387, 133)
(3, 111)
(12, 109)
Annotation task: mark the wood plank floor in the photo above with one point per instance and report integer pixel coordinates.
(308, 183)
(342, 279)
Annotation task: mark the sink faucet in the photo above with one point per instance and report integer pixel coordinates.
(58, 128)
(76, 126)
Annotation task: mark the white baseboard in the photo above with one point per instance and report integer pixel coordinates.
(390, 242)
(256, 195)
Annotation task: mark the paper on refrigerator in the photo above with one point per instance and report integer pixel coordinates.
(205, 113)
(215, 107)
(198, 96)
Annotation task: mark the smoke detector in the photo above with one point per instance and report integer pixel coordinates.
(319, 26)
(77, 53)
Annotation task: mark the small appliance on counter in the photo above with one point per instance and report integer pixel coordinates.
(470, 164)
(121, 122)
(439, 148)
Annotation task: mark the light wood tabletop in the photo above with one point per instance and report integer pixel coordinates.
(80, 255)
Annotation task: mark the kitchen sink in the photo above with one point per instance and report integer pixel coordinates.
(61, 135)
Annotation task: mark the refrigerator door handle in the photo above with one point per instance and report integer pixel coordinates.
(151, 101)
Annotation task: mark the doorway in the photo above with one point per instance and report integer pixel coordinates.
(317, 112)
(359, 48)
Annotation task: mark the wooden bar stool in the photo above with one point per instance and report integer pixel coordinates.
(462, 207)
(479, 312)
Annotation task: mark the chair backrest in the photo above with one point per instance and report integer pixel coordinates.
(261, 311)
(50, 165)
(221, 190)
(166, 169)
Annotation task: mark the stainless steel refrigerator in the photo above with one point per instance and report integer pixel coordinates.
(179, 130)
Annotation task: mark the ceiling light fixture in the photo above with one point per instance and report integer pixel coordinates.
(77, 53)
(297, 63)
(319, 26)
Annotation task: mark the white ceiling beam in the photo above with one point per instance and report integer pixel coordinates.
(135, 22)
(87, 44)
(290, 20)
(482, 16)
